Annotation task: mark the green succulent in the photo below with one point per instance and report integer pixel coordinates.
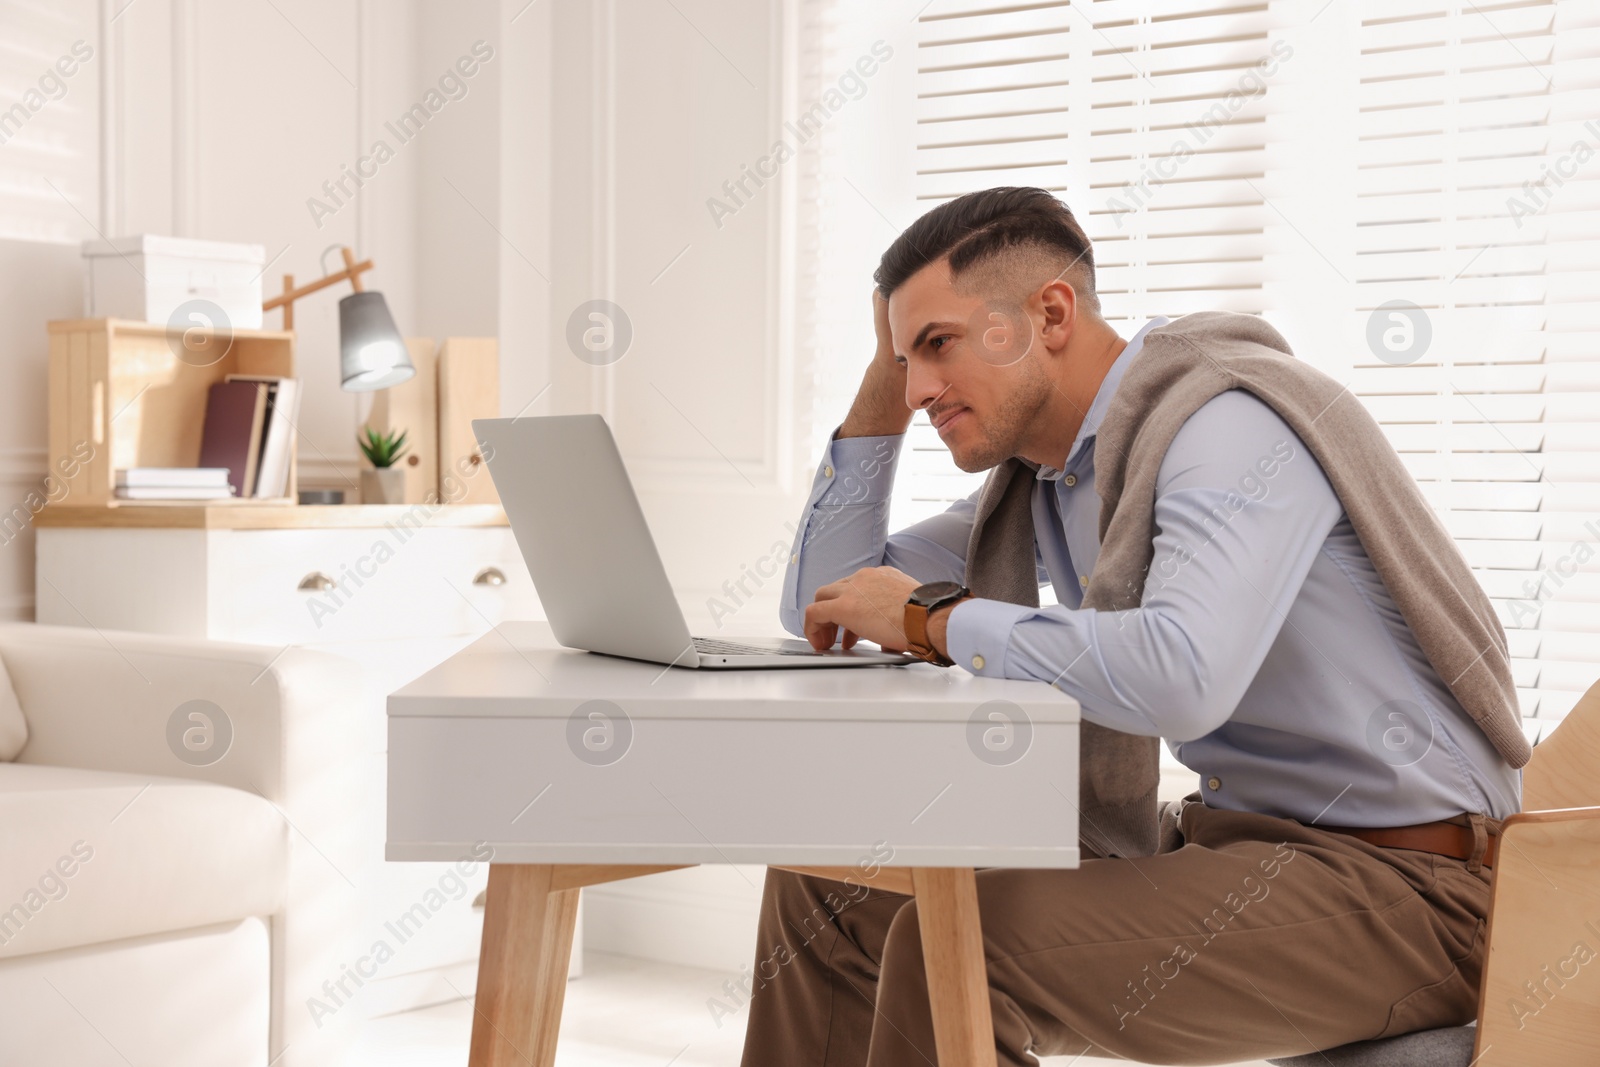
(382, 449)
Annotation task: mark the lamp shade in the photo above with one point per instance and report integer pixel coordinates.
(372, 354)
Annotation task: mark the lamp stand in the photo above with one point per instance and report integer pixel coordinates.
(352, 273)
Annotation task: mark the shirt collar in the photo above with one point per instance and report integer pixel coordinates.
(1102, 399)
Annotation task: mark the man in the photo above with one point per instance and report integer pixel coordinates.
(1243, 568)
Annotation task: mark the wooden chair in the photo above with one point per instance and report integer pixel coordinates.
(1540, 1001)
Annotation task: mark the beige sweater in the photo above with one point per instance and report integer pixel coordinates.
(1181, 366)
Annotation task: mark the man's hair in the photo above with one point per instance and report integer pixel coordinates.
(979, 228)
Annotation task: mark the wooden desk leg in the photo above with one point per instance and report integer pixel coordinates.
(512, 960)
(529, 915)
(952, 954)
(555, 953)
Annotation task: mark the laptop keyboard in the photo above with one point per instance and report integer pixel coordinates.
(731, 648)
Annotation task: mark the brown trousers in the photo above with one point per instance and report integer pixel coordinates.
(1251, 937)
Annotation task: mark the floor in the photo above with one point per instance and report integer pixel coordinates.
(621, 1013)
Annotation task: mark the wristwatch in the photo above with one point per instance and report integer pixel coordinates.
(925, 600)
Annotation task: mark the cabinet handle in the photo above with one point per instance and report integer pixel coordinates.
(316, 582)
(490, 576)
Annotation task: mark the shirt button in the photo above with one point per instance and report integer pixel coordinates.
(977, 663)
(827, 471)
(1071, 480)
(1214, 782)
(1083, 580)
(795, 558)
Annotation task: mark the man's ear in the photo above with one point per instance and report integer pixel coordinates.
(1058, 303)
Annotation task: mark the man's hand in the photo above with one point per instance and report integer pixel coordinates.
(880, 405)
(871, 603)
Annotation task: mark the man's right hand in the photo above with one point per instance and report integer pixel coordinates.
(880, 406)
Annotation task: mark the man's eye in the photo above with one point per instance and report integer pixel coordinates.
(937, 343)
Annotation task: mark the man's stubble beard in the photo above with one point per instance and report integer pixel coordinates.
(1003, 432)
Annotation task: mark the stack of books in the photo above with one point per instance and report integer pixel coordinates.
(245, 446)
(249, 428)
(173, 483)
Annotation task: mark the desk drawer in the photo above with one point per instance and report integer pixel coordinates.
(282, 587)
(687, 789)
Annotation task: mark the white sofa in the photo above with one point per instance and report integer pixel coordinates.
(153, 910)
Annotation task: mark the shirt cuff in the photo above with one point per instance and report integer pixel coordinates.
(978, 633)
(857, 470)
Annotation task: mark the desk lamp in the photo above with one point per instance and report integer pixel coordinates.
(372, 354)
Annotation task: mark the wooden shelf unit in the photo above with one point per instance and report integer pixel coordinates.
(120, 393)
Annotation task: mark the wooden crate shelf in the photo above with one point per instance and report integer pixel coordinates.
(120, 397)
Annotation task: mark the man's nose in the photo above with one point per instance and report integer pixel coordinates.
(923, 387)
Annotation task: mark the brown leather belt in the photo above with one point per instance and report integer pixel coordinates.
(1440, 838)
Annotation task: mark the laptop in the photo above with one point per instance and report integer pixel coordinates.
(583, 535)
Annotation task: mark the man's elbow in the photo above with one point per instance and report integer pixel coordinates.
(1194, 700)
(1190, 707)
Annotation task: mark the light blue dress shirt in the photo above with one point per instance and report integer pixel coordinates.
(1266, 651)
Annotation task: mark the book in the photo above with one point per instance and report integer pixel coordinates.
(231, 436)
(174, 492)
(283, 402)
(172, 477)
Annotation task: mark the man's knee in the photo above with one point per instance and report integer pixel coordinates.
(802, 908)
(784, 888)
(902, 949)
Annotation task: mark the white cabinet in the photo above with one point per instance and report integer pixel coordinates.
(284, 586)
(373, 584)
(342, 585)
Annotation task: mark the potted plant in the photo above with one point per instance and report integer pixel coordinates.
(385, 483)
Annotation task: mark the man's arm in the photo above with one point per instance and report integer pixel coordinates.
(844, 526)
(1242, 510)
(879, 409)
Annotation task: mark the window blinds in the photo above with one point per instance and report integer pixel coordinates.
(49, 81)
(1473, 212)
(1146, 116)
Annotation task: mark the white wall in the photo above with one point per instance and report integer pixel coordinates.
(38, 281)
(577, 166)
(215, 120)
(658, 105)
(652, 106)
(49, 172)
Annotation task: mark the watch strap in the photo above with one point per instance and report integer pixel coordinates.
(917, 643)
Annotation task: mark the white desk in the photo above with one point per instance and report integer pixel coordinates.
(577, 769)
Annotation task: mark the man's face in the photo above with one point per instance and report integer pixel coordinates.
(973, 361)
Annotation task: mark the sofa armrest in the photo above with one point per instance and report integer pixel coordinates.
(106, 700)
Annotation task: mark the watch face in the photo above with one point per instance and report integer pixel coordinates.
(930, 593)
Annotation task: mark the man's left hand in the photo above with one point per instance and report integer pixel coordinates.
(871, 603)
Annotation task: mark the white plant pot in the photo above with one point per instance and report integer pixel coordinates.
(384, 485)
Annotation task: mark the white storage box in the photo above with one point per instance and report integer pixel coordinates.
(147, 278)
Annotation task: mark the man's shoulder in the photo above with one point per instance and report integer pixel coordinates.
(1185, 362)
(1235, 412)
(1222, 333)
(1235, 428)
